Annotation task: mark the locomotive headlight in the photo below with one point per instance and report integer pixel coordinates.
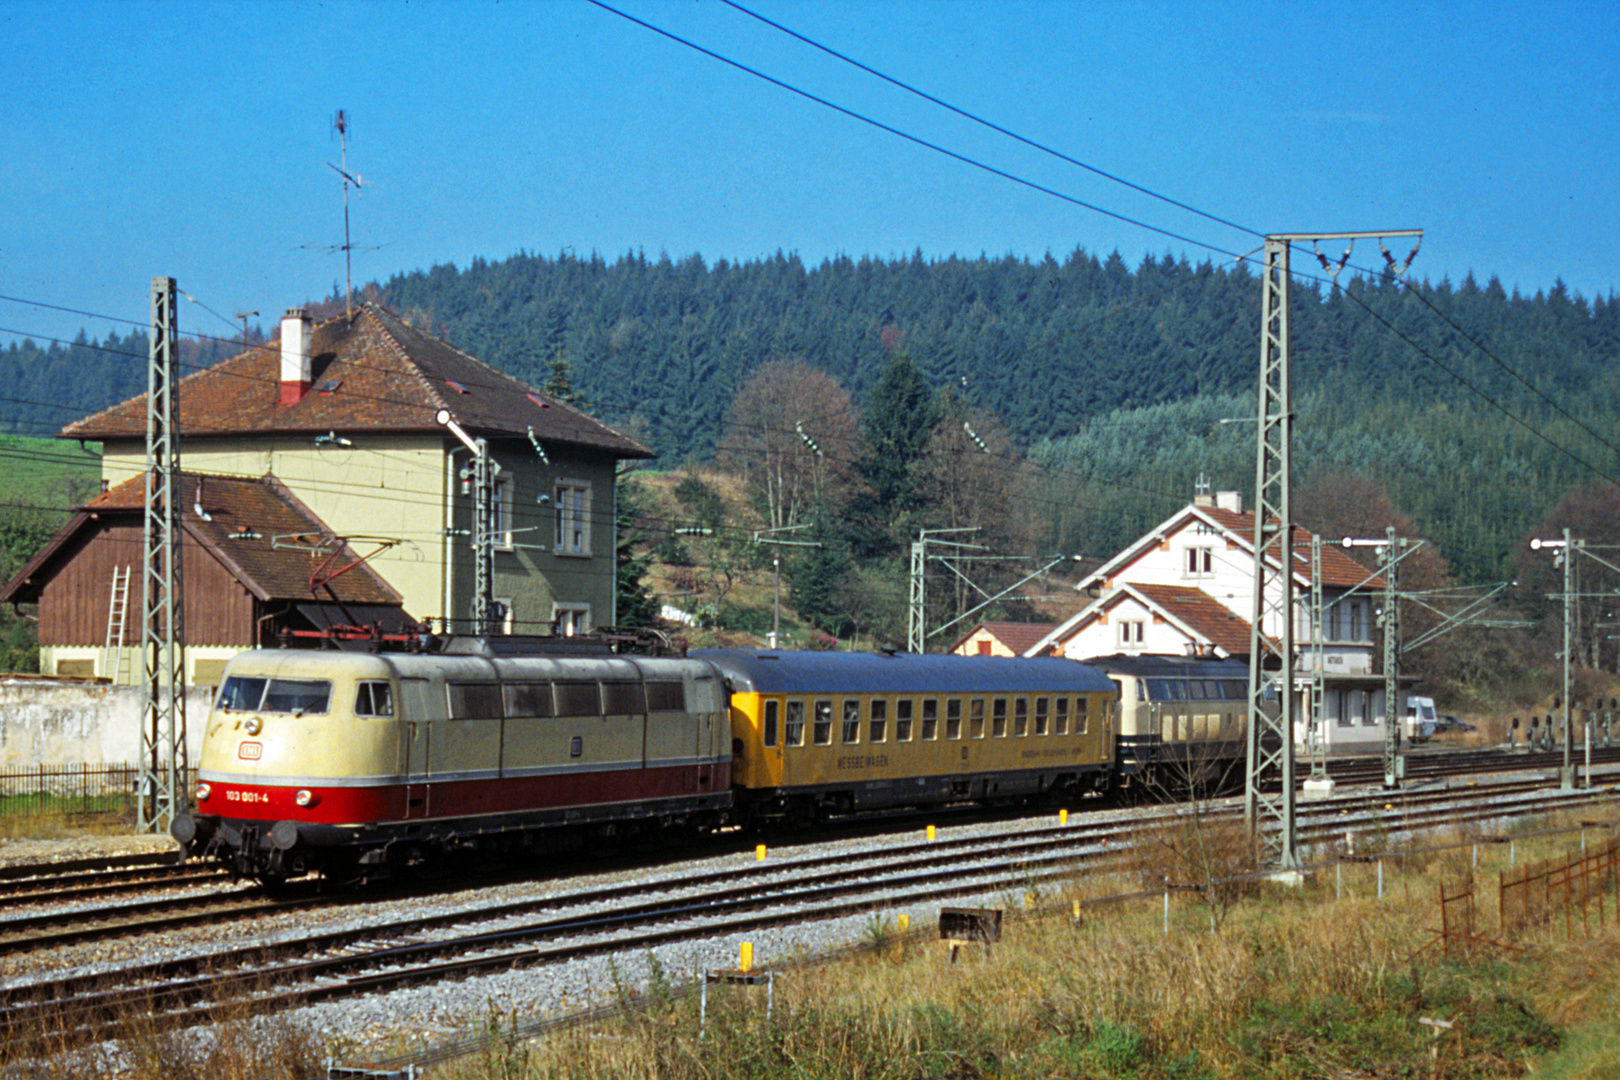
(203, 791)
(305, 798)
(254, 725)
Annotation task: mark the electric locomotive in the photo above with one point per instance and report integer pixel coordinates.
(820, 734)
(354, 764)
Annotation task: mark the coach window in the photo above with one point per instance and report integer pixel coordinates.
(623, 699)
(1040, 715)
(902, 720)
(930, 719)
(578, 697)
(773, 710)
(953, 718)
(528, 699)
(1020, 717)
(998, 718)
(794, 729)
(475, 701)
(976, 718)
(880, 719)
(852, 720)
(1082, 714)
(666, 697)
(373, 699)
(822, 730)
(1060, 718)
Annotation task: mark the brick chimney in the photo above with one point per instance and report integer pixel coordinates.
(296, 331)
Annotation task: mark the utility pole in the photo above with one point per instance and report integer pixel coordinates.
(1316, 737)
(1566, 549)
(1394, 763)
(1271, 636)
(484, 474)
(776, 566)
(163, 728)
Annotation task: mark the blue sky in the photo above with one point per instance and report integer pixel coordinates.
(192, 139)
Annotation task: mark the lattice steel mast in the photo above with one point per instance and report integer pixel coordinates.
(163, 729)
(1270, 816)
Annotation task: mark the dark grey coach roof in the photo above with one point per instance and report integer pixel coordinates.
(778, 672)
(1171, 667)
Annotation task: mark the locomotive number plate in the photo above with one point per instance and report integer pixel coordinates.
(250, 751)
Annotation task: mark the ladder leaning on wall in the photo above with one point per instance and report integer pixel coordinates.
(114, 657)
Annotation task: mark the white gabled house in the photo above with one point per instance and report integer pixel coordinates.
(1186, 588)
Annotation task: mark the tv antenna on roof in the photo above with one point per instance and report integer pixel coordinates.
(340, 124)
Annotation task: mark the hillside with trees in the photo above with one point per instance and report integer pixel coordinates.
(1056, 406)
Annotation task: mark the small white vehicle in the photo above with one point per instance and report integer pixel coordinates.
(1420, 719)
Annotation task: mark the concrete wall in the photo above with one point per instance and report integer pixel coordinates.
(44, 722)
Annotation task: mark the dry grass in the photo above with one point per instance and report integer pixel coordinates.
(1293, 985)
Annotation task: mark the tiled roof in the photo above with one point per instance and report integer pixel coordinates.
(259, 531)
(1202, 614)
(1338, 569)
(1016, 636)
(386, 376)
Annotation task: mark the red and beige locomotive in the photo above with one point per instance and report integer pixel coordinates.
(356, 764)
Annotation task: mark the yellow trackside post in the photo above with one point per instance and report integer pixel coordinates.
(745, 958)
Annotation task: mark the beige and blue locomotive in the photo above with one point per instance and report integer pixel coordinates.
(1183, 721)
(354, 763)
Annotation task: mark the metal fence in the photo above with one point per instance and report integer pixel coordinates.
(1576, 887)
(71, 792)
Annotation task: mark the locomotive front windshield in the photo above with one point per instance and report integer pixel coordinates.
(246, 693)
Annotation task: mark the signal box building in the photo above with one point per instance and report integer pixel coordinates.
(1187, 589)
(341, 418)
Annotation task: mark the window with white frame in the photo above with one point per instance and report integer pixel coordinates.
(571, 619)
(573, 517)
(1132, 632)
(1200, 561)
(500, 514)
(503, 611)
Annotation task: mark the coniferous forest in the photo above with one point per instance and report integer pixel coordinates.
(1073, 401)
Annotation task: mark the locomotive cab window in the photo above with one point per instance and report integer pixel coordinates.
(373, 698)
(953, 718)
(241, 693)
(902, 720)
(301, 697)
(794, 731)
(822, 730)
(773, 711)
(930, 719)
(852, 720)
(880, 719)
(1060, 717)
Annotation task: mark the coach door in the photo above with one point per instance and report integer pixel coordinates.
(418, 712)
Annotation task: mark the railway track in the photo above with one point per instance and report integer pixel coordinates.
(531, 931)
(1443, 763)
